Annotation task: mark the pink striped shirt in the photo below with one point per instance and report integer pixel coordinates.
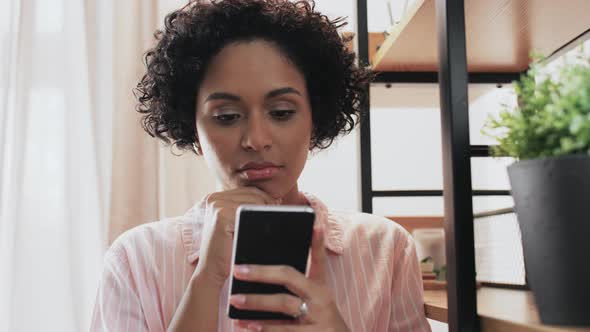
(372, 264)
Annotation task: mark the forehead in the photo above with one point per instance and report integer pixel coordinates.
(250, 67)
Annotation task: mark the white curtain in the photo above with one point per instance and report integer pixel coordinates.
(76, 169)
(148, 181)
(54, 161)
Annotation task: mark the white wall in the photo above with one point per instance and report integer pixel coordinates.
(406, 153)
(333, 174)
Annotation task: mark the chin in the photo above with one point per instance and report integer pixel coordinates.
(270, 188)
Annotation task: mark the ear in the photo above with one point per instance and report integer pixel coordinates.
(196, 145)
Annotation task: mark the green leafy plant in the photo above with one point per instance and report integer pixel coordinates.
(552, 117)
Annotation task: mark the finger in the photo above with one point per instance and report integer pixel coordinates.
(251, 197)
(284, 275)
(317, 270)
(225, 211)
(255, 324)
(279, 303)
(243, 195)
(264, 196)
(268, 326)
(288, 328)
(227, 216)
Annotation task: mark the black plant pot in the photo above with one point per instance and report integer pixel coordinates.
(552, 201)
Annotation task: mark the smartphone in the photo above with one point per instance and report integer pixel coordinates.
(269, 235)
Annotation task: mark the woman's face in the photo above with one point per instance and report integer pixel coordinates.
(254, 119)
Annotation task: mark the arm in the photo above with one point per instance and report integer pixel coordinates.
(199, 306)
(407, 312)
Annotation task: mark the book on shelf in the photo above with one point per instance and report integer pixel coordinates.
(499, 257)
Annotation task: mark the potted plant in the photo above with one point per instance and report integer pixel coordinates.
(548, 134)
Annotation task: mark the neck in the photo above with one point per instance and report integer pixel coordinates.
(293, 197)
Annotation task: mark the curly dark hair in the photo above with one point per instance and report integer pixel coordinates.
(194, 34)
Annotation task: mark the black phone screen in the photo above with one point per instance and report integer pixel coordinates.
(269, 235)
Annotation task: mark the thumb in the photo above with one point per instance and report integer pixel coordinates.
(318, 266)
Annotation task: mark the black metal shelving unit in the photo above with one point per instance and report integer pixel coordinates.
(462, 301)
(412, 77)
(453, 79)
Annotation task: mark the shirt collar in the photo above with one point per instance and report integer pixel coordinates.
(193, 219)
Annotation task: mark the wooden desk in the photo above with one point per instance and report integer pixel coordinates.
(504, 310)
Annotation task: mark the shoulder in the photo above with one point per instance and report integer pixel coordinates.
(372, 235)
(373, 225)
(143, 241)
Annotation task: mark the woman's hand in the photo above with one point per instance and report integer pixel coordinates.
(217, 240)
(322, 312)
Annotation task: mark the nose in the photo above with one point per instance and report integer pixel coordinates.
(257, 134)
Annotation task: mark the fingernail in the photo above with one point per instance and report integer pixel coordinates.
(237, 299)
(317, 229)
(279, 200)
(254, 327)
(242, 269)
(238, 326)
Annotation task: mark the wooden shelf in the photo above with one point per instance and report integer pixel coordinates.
(375, 41)
(499, 34)
(505, 310)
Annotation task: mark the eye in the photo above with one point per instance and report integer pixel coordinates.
(282, 115)
(226, 119)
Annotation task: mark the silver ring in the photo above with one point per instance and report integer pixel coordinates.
(302, 310)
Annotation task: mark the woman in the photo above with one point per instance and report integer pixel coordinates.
(253, 86)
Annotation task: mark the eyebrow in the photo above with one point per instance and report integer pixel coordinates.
(232, 97)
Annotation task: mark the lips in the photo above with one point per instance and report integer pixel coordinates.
(258, 171)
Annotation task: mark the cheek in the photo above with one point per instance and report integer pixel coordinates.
(214, 146)
(303, 144)
(300, 142)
